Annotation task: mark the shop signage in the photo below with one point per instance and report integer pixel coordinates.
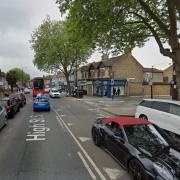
(89, 82)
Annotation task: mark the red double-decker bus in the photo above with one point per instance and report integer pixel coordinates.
(38, 86)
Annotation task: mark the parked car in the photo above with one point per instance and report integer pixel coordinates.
(12, 106)
(54, 93)
(41, 103)
(144, 149)
(21, 98)
(3, 116)
(164, 113)
(27, 91)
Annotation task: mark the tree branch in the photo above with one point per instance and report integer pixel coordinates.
(165, 52)
(154, 17)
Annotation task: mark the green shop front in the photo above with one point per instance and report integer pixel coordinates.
(109, 88)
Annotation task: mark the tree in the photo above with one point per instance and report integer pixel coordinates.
(21, 76)
(15, 76)
(56, 48)
(11, 78)
(121, 25)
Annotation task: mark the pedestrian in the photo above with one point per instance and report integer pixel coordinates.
(114, 91)
(118, 91)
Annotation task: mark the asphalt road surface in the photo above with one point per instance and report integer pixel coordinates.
(55, 145)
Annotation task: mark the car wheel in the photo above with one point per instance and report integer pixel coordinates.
(143, 117)
(18, 109)
(136, 170)
(96, 138)
(12, 114)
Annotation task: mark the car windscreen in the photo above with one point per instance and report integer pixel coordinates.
(38, 83)
(41, 100)
(144, 135)
(56, 91)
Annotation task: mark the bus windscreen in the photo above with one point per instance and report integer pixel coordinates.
(38, 83)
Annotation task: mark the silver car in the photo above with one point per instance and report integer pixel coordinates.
(3, 116)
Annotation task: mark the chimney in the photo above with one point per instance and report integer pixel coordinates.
(104, 57)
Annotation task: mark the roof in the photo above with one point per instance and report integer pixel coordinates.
(152, 70)
(164, 100)
(125, 121)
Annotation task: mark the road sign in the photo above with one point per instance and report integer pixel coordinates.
(112, 81)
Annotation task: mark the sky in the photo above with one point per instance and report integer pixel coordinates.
(19, 18)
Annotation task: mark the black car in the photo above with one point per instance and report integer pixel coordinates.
(140, 146)
(12, 106)
(21, 98)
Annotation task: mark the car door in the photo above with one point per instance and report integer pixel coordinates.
(160, 114)
(1, 116)
(108, 135)
(114, 142)
(119, 145)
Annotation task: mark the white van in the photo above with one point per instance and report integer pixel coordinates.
(164, 113)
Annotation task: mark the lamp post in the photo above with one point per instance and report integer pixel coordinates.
(22, 74)
(151, 83)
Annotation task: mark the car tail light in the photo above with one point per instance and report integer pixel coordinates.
(9, 107)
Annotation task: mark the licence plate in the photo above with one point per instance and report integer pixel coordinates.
(42, 104)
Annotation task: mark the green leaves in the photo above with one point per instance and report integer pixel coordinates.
(16, 75)
(121, 25)
(56, 46)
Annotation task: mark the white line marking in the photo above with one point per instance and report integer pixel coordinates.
(87, 166)
(82, 149)
(114, 173)
(84, 139)
(70, 124)
(61, 124)
(90, 109)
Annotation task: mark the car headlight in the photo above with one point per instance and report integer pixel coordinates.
(162, 171)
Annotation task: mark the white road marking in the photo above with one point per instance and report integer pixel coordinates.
(114, 174)
(36, 128)
(90, 109)
(84, 139)
(61, 124)
(62, 115)
(87, 166)
(70, 124)
(82, 149)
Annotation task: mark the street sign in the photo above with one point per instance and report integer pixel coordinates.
(112, 81)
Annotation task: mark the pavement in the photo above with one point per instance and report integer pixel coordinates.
(118, 106)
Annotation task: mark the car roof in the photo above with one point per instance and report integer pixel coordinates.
(164, 100)
(126, 121)
(41, 97)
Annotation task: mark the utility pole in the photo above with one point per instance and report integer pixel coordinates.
(152, 82)
(22, 76)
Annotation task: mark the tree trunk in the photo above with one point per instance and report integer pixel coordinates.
(176, 76)
(178, 80)
(12, 88)
(68, 83)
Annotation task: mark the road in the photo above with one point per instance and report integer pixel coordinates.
(55, 145)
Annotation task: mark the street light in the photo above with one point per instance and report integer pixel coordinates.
(22, 74)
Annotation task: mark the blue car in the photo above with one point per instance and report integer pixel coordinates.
(41, 104)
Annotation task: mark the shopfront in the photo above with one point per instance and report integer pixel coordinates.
(109, 89)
